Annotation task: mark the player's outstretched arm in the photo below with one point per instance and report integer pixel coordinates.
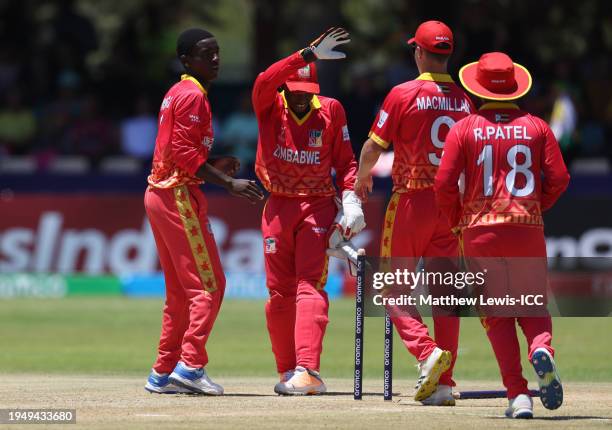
(237, 187)
(228, 164)
(555, 175)
(446, 185)
(350, 218)
(369, 156)
(322, 48)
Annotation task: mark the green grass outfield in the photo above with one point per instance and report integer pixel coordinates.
(119, 336)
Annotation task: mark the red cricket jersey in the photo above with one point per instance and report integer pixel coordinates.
(416, 117)
(184, 137)
(513, 167)
(295, 156)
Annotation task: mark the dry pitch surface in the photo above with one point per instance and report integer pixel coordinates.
(121, 402)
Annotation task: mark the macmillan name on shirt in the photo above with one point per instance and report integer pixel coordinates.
(451, 104)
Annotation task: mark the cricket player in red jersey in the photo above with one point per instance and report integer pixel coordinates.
(177, 211)
(415, 117)
(514, 170)
(302, 137)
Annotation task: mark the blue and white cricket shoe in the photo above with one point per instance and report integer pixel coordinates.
(159, 383)
(196, 380)
(551, 390)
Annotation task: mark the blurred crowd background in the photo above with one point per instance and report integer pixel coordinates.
(81, 81)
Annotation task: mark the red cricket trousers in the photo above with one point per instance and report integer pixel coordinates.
(195, 282)
(295, 240)
(415, 227)
(506, 240)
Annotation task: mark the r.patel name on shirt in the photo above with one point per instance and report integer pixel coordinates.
(296, 156)
(442, 103)
(501, 132)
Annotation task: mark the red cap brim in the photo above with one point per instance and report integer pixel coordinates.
(467, 76)
(307, 87)
(411, 41)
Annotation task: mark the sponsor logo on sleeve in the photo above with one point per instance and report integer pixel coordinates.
(194, 118)
(270, 245)
(166, 103)
(382, 117)
(345, 133)
(208, 142)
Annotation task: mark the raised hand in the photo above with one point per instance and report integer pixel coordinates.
(323, 46)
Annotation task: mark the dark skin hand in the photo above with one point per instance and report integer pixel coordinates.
(228, 164)
(237, 187)
(298, 101)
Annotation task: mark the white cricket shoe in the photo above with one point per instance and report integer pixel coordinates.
(302, 382)
(194, 380)
(520, 407)
(430, 369)
(443, 396)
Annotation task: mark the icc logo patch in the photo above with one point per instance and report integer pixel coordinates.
(315, 138)
(270, 245)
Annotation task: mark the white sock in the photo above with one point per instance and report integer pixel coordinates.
(158, 374)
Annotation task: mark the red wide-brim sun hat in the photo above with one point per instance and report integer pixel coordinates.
(495, 77)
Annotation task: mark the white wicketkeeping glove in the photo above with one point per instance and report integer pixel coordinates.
(323, 46)
(350, 217)
(345, 250)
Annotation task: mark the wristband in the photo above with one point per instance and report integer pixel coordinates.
(308, 55)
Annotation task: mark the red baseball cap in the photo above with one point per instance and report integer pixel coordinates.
(495, 77)
(305, 79)
(434, 36)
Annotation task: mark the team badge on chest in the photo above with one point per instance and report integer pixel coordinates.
(315, 138)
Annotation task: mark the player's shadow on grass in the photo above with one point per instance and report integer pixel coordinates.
(574, 417)
(226, 395)
(565, 418)
(350, 393)
(250, 395)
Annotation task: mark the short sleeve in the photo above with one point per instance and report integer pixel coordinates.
(187, 137)
(386, 125)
